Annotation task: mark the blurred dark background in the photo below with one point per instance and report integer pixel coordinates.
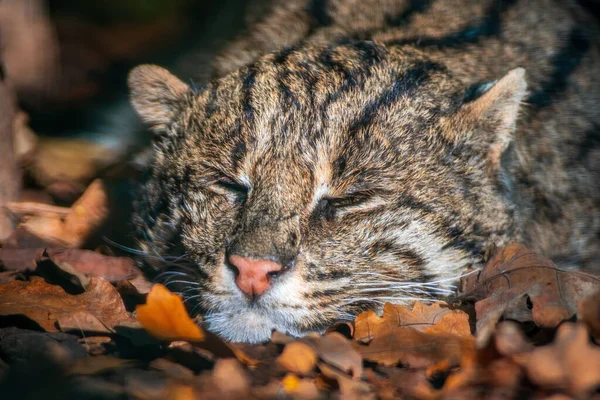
(63, 86)
(96, 42)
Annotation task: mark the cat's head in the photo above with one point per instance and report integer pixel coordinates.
(318, 182)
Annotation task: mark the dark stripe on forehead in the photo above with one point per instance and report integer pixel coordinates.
(404, 86)
(565, 62)
(370, 54)
(238, 152)
(489, 26)
(248, 82)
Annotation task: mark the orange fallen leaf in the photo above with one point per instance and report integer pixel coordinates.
(435, 318)
(164, 316)
(419, 338)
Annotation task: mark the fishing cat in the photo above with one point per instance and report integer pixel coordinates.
(353, 152)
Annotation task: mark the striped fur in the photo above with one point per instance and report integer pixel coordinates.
(378, 148)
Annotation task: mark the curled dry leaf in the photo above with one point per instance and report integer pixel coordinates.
(350, 389)
(45, 304)
(571, 363)
(298, 358)
(520, 285)
(336, 350)
(71, 230)
(439, 335)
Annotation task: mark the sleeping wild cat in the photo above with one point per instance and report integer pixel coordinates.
(348, 153)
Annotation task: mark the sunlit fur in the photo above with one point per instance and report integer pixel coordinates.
(385, 146)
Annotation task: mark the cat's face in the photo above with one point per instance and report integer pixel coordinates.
(340, 178)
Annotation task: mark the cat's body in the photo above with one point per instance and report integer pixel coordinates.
(356, 152)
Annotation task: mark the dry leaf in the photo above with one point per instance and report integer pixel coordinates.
(87, 262)
(491, 368)
(164, 316)
(350, 389)
(81, 321)
(298, 358)
(391, 342)
(113, 269)
(300, 388)
(20, 259)
(336, 350)
(68, 160)
(231, 378)
(45, 304)
(571, 363)
(85, 216)
(520, 285)
(433, 318)
(589, 314)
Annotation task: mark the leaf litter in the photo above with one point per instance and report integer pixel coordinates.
(105, 331)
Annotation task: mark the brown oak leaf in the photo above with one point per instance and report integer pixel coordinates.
(86, 262)
(46, 304)
(521, 285)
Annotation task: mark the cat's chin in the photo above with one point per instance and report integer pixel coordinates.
(251, 325)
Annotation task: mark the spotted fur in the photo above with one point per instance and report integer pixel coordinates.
(374, 148)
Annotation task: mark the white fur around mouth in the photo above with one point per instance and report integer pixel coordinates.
(251, 325)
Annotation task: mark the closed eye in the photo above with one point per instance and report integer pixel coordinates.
(229, 186)
(350, 200)
(327, 206)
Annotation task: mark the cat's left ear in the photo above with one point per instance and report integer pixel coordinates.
(156, 95)
(488, 122)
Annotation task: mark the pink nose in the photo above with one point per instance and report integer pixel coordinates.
(253, 275)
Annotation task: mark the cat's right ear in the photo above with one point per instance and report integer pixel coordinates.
(156, 95)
